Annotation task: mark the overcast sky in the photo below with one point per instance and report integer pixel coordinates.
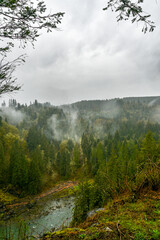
(91, 57)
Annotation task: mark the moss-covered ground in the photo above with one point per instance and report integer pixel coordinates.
(6, 198)
(122, 218)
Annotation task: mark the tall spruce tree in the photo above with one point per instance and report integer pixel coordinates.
(18, 169)
(2, 164)
(35, 175)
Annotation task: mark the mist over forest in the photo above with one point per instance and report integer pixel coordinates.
(109, 146)
(70, 121)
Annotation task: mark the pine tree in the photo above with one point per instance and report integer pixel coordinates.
(2, 163)
(148, 148)
(76, 157)
(100, 154)
(18, 169)
(35, 176)
(33, 138)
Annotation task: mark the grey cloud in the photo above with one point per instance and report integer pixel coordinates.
(92, 57)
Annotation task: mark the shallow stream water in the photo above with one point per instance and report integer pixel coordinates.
(46, 215)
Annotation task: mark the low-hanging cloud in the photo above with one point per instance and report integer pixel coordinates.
(64, 128)
(13, 116)
(79, 119)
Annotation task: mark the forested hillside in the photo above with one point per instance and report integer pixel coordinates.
(41, 144)
(112, 146)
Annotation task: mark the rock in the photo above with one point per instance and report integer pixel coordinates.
(91, 213)
(108, 229)
(95, 224)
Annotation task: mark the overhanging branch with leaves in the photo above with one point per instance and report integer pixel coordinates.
(129, 10)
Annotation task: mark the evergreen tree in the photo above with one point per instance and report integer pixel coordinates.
(101, 154)
(33, 138)
(86, 145)
(18, 169)
(77, 157)
(94, 161)
(35, 176)
(2, 164)
(0, 121)
(82, 203)
(65, 163)
(148, 150)
(70, 145)
(58, 161)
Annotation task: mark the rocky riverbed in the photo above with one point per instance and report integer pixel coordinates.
(42, 214)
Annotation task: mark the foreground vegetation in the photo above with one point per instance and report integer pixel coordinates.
(121, 218)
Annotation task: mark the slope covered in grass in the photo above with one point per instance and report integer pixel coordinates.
(122, 218)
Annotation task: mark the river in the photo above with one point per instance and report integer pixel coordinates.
(46, 215)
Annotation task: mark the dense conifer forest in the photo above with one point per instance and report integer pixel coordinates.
(111, 146)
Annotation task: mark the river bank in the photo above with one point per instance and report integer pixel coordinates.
(46, 215)
(122, 218)
(15, 206)
(47, 211)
